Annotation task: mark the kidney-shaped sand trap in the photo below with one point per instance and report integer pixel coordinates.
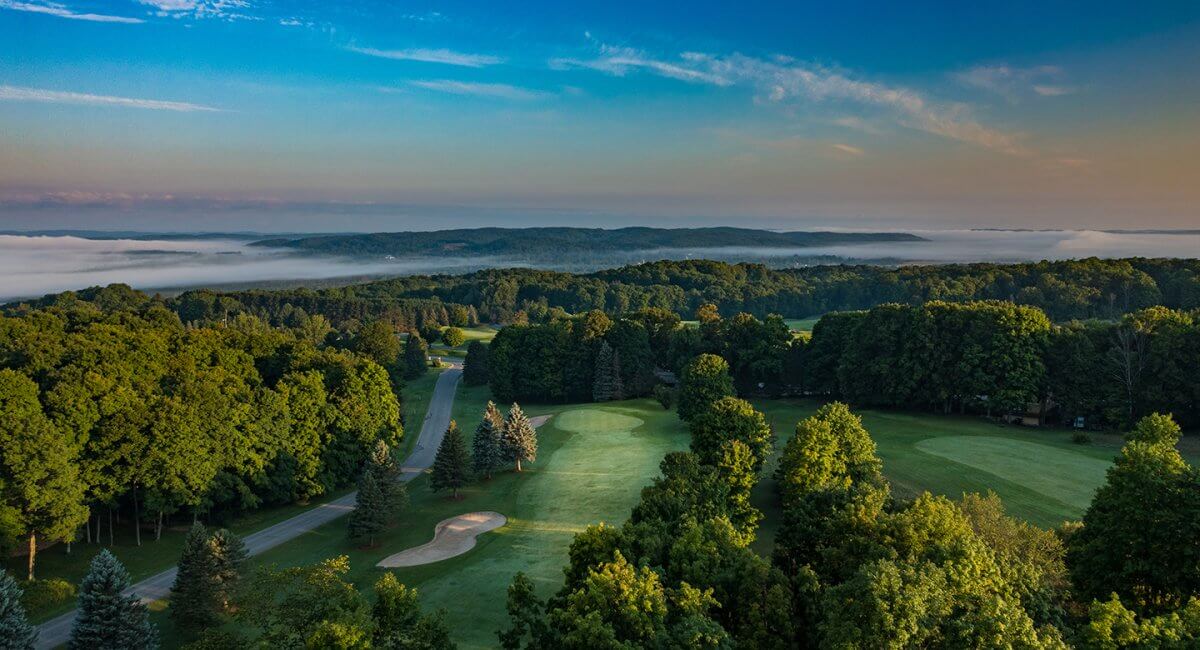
(451, 537)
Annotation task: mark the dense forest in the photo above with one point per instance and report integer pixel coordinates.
(115, 406)
(545, 242)
(1080, 289)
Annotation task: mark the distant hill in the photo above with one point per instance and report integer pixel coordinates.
(556, 241)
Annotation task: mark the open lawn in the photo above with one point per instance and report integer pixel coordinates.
(593, 461)
(483, 333)
(1040, 474)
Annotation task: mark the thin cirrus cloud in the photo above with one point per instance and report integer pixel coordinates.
(781, 80)
(848, 149)
(1013, 82)
(17, 93)
(447, 57)
(496, 90)
(63, 11)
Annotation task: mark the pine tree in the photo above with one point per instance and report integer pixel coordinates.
(487, 449)
(229, 554)
(108, 618)
(194, 598)
(520, 439)
(416, 352)
(475, 366)
(618, 386)
(370, 516)
(452, 466)
(602, 385)
(382, 465)
(15, 631)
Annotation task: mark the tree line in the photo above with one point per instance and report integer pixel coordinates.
(855, 567)
(132, 414)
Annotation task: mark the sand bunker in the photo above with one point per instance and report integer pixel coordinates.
(539, 420)
(451, 537)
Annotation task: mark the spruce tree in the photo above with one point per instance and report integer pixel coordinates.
(602, 384)
(475, 366)
(15, 631)
(382, 465)
(452, 466)
(194, 600)
(520, 439)
(229, 554)
(107, 618)
(487, 449)
(370, 516)
(618, 386)
(416, 362)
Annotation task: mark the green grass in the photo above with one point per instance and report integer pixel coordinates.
(802, 324)
(592, 464)
(1040, 474)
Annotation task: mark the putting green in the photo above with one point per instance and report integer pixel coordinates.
(594, 420)
(1065, 476)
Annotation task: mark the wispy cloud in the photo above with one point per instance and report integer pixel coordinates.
(781, 80)
(845, 148)
(221, 9)
(448, 57)
(17, 93)
(1013, 82)
(500, 91)
(62, 11)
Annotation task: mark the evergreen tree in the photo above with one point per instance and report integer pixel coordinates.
(475, 366)
(520, 438)
(618, 385)
(416, 362)
(195, 602)
(229, 554)
(382, 464)
(369, 517)
(487, 449)
(107, 618)
(15, 631)
(452, 466)
(602, 385)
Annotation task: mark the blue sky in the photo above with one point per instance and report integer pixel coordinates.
(220, 114)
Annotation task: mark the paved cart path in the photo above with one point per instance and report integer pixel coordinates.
(56, 631)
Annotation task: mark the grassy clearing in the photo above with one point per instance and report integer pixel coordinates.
(592, 463)
(802, 324)
(483, 333)
(1042, 476)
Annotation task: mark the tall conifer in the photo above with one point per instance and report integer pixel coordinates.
(108, 618)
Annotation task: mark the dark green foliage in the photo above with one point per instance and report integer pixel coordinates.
(829, 451)
(47, 593)
(416, 352)
(377, 341)
(607, 376)
(520, 438)
(527, 629)
(229, 554)
(382, 465)
(727, 419)
(705, 380)
(106, 618)
(370, 516)
(15, 631)
(452, 465)
(664, 395)
(475, 366)
(453, 337)
(316, 607)
(487, 447)
(1138, 536)
(195, 601)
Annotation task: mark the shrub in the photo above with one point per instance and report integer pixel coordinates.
(1081, 438)
(42, 595)
(664, 395)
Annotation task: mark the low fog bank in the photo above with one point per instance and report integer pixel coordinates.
(32, 266)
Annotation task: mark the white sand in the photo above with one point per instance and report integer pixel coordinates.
(451, 537)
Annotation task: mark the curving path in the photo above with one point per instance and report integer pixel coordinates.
(56, 631)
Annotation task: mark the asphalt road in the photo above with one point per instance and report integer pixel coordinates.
(56, 631)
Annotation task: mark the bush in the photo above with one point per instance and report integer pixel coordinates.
(664, 395)
(431, 333)
(1081, 438)
(453, 337)
(42, 595)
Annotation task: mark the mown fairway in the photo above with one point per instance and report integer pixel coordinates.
(1042, 476)
(593, 461)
